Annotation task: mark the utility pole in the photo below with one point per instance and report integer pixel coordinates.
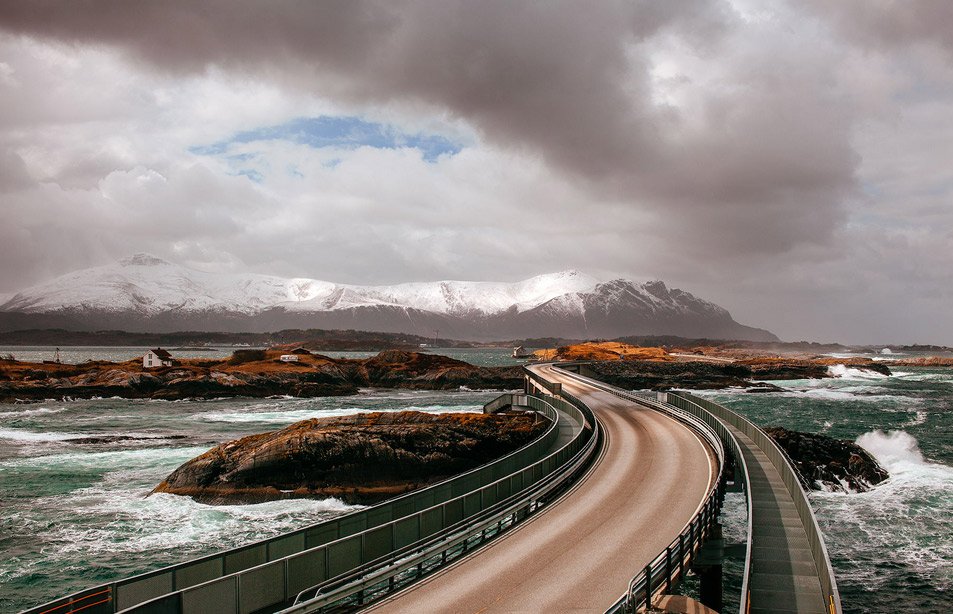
(436, 333)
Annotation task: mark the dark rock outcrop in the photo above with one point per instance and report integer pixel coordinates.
(704, 374)
(827, 463)
(657, 375)
(359, 459)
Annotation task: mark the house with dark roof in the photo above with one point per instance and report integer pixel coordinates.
(157, 358)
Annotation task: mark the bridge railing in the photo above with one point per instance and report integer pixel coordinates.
(668, 568)
(792, 483)
(311, 554)
(403, 566)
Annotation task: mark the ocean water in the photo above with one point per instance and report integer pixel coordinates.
(74, 478)
(74, 475)
(482, 357)
(892, 547)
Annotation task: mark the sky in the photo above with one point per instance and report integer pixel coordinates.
(789, 161)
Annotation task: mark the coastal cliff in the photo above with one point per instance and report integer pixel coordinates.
(359, 459)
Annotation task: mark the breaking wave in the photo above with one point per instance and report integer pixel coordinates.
(894, 529)
(892, 449)
(845, 372)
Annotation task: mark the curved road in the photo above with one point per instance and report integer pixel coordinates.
(578, 554)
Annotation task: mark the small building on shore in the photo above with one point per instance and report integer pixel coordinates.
(157, 358)
(289, 358)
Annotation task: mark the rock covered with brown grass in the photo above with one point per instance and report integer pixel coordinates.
(250, 373)
(360, 459)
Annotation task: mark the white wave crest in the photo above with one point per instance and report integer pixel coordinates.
(287, 417)
(30, 412)
(893, 449)
(845, 372)
(34, 437)
(165, 521)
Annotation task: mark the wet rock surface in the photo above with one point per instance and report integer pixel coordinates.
(827, 463)
(360, 459)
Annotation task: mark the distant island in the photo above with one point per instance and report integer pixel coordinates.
(294, 370)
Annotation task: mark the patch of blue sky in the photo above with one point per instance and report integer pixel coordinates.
(347, 132)
(253, 175)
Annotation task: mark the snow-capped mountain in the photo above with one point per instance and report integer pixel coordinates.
(144, 293)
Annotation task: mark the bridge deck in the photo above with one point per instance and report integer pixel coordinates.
(578, 555)
(783, 577)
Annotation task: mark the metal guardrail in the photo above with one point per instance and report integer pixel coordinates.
(667, 569)
(792, 482)
(406, 565)
(302, 558)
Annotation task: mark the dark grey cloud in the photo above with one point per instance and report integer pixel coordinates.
(776, 157)
(569, 82)
(912, 22)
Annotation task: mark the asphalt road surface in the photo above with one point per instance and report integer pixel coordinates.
(578, 554)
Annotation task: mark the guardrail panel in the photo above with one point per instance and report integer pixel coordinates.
(321, 534)
(344, 555)
(285, 546)
(352, 524)
(307, 569)
(246, 558)
(199, 572)
(378, 542)
(406, 531)
(220, 596)
(130, 594)
(431, 521)
(262, 587)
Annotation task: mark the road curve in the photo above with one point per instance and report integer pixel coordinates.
(578, 554)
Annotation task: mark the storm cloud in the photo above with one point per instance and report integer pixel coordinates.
(782, 159)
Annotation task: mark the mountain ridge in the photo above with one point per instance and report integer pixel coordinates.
(145, 293)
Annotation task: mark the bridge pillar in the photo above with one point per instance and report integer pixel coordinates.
(708, 566)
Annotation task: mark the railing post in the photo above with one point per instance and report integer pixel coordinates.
(668, 569)
(648, 585)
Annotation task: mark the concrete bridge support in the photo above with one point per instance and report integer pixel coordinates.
(708, 566)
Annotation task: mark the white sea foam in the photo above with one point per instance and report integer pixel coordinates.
(899, 522)
(35, 437)
(287, 417)
(24, 413)
(144, 458)
(164, 522)
(893, 449)
(845, 372)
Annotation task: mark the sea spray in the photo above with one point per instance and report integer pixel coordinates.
(893, 449)
(845, 372)
(894, 540)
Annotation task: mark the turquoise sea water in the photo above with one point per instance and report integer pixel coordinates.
(74, 511)
(891, 547)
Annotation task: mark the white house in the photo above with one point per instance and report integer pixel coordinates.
(289, 358)
(157, 358)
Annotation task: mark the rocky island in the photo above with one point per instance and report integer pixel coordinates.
(635, 368)
(358, 459)
(828, 463)
(251, 373)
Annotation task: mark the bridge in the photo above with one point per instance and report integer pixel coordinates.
(605, 512)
